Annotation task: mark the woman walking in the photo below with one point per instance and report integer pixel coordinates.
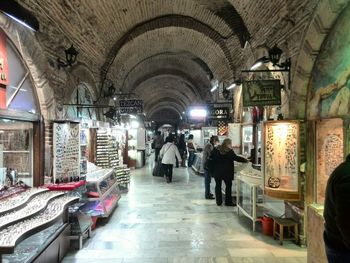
(223, 159)
(169, 152)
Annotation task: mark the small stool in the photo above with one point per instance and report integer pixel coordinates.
(279, 225)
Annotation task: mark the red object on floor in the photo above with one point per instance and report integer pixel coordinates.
(65, 187)
(267, 226)
(94, 221)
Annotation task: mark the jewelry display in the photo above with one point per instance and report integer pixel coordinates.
(19, 199)
(53, 211)
(66, 151)
(35, 205)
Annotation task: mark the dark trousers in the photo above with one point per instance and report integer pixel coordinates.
(157, 151)
(168, 171)
(228, 190)
(207, 181)
(191, 157)
(335, 256)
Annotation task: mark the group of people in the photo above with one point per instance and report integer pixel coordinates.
(218, 162)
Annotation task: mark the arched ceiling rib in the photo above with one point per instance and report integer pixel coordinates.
(184, 61)
(165, 22)
(173, 40)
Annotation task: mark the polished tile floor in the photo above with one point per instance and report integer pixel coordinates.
(158, 222)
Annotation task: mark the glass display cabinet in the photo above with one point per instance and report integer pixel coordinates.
(102, 191)
(249, 194)
(247, 139)
(282, 159)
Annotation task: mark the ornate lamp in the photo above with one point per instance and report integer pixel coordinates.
(275, 56)
(71, 57)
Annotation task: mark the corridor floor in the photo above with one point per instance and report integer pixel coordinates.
(171, 223)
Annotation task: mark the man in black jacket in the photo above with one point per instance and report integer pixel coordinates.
(337, 214)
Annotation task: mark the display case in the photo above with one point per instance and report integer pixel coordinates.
(84, 150)
(66, 151)
(39, 212)
(282, 154)
(247, 139)
(132, 145)
(207, 132)
(16, 152)
(249, 189)
(329, 152)
(234, 133)
(102, 193)
(197, 163)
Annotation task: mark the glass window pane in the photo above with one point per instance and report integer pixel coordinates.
(25, 99)
(17, 70)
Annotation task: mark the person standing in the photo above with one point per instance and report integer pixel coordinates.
(191, 148)
(337, 214)
(182, 149)
(223, 158)
(158, 144)
(168, 153)
(214, 140)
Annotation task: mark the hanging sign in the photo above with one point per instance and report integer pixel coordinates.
(215, 113)
(261, 93)
(132, 106)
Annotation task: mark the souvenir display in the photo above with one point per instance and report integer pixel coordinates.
(66, 152)
(281, 157)
(329, 152)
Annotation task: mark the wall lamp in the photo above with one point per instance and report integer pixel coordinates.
(274, 57)
(18, 13)
(71, 57)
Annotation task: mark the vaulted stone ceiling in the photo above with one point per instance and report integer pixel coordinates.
(167, 51)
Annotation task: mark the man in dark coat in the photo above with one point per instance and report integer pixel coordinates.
(337, 214)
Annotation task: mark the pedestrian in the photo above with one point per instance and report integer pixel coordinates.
(214, 141)
(168, 153)
(191, 148)
(158, 144)
(337, 214)
(223, 158)
(182, 149)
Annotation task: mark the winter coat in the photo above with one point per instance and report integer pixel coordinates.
(206, 154)
(168, 153)
(223, 164)
(158, 141)
(336, 209)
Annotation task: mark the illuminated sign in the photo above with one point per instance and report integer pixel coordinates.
(261, 93)
(218, 113)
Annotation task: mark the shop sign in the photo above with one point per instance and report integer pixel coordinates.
(131, 106)
(218, 113)
(261, 93)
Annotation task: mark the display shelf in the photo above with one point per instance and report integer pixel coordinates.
(30, 249)
(13, 190)
(31, 208)
(15, 233)
(20, 200)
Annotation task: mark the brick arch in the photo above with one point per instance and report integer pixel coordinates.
(323, 19)
(162, 108)
(167, 21)
(182, 64)
(175, 40)
(164, 99)
(162, 114)
(172, 74)
(152, 90)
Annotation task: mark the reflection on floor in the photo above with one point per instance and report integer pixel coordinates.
(158, 222)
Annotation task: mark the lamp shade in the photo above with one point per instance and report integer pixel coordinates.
(275, 54)
(71, 55)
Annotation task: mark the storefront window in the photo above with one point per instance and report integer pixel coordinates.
(84, 97)
(19, 93)
(15, 152)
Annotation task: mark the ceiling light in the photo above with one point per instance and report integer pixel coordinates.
(114, 98)
(233, 85)
(256, 65)
(214, 88)
(199, 113)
